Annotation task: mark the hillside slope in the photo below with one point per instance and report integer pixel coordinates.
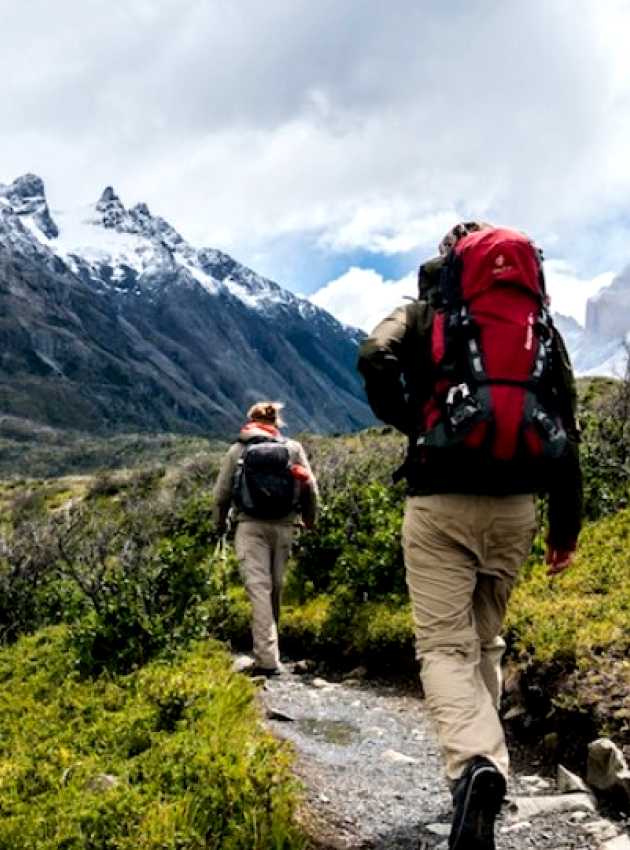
(110, 320)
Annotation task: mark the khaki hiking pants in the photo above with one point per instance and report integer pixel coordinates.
(263, 548)
(462, 556)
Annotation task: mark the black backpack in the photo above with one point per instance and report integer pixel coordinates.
(264, 486)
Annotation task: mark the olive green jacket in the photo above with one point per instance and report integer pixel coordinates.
(398, 371)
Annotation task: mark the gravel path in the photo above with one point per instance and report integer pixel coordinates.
(372, 773)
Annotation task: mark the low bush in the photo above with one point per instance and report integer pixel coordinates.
(356, 545)
(171, 756)
(605, 450)
(571, 635)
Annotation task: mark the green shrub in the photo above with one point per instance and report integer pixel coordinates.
(356, 544)
(584, 610)
(172, 756)
(605, 450)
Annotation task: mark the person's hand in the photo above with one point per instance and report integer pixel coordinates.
(558, 559)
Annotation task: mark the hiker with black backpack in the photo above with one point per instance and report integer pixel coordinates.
(269, 481)
(478, 378)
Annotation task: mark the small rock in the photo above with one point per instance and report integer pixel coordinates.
(305, 665)
(441, 829)
(536, 781)
(600, 829)
(318, 682)
(324, 799)
(102, 782)
(569, 783)
(529, 807)
(517, 827)
(376, 731)
(242, 663)
(620, 842)
(274, 714)
(514, 712)
(398, 758)
(577, 817)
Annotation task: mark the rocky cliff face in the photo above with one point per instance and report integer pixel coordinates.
(599, 348)
(110, 320)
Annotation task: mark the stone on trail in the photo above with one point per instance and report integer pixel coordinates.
(398, 758)
(601, 830)
(305, 665)
(621, 842)
(274, 714)
(536, 782)
(516, 827)
(242, 663)
(607, 769)
(529, 807)
(570, 783)
(441, 829)
(322, 683)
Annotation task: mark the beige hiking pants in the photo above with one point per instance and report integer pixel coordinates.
(263, 548)
(462, 556)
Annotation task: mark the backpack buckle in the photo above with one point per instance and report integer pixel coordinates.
(461, 406)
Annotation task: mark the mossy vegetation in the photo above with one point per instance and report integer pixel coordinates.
(171, 756)
(109, 581)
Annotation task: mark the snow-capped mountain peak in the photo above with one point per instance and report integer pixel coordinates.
(27, 199)
(121, 322)
(600, 348)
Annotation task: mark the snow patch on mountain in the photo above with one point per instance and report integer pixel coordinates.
(599, 348)
(130, 251)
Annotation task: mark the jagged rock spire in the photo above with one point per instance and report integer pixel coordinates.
(27, 196)
(110, 205)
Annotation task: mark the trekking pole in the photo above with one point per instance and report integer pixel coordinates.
(220, 560)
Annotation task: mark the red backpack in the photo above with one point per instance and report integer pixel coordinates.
(491, 348)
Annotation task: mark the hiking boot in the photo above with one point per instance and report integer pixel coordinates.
(477, 799)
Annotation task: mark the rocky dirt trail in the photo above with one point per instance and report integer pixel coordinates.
(370, 765)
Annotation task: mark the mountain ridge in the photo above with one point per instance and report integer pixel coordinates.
(110, 317)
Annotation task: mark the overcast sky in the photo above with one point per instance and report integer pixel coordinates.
(330, 144)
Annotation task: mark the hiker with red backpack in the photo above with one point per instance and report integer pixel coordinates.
(269, 481)
(476, 375)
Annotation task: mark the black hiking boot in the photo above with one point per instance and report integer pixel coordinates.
(477, 799)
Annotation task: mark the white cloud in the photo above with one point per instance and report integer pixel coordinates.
(389, 229)
(362, 297)
(569, 291)
(247, 122)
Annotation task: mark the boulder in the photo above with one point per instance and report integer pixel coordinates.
(607, 769)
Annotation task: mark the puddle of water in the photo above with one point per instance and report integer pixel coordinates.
(339, 732)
